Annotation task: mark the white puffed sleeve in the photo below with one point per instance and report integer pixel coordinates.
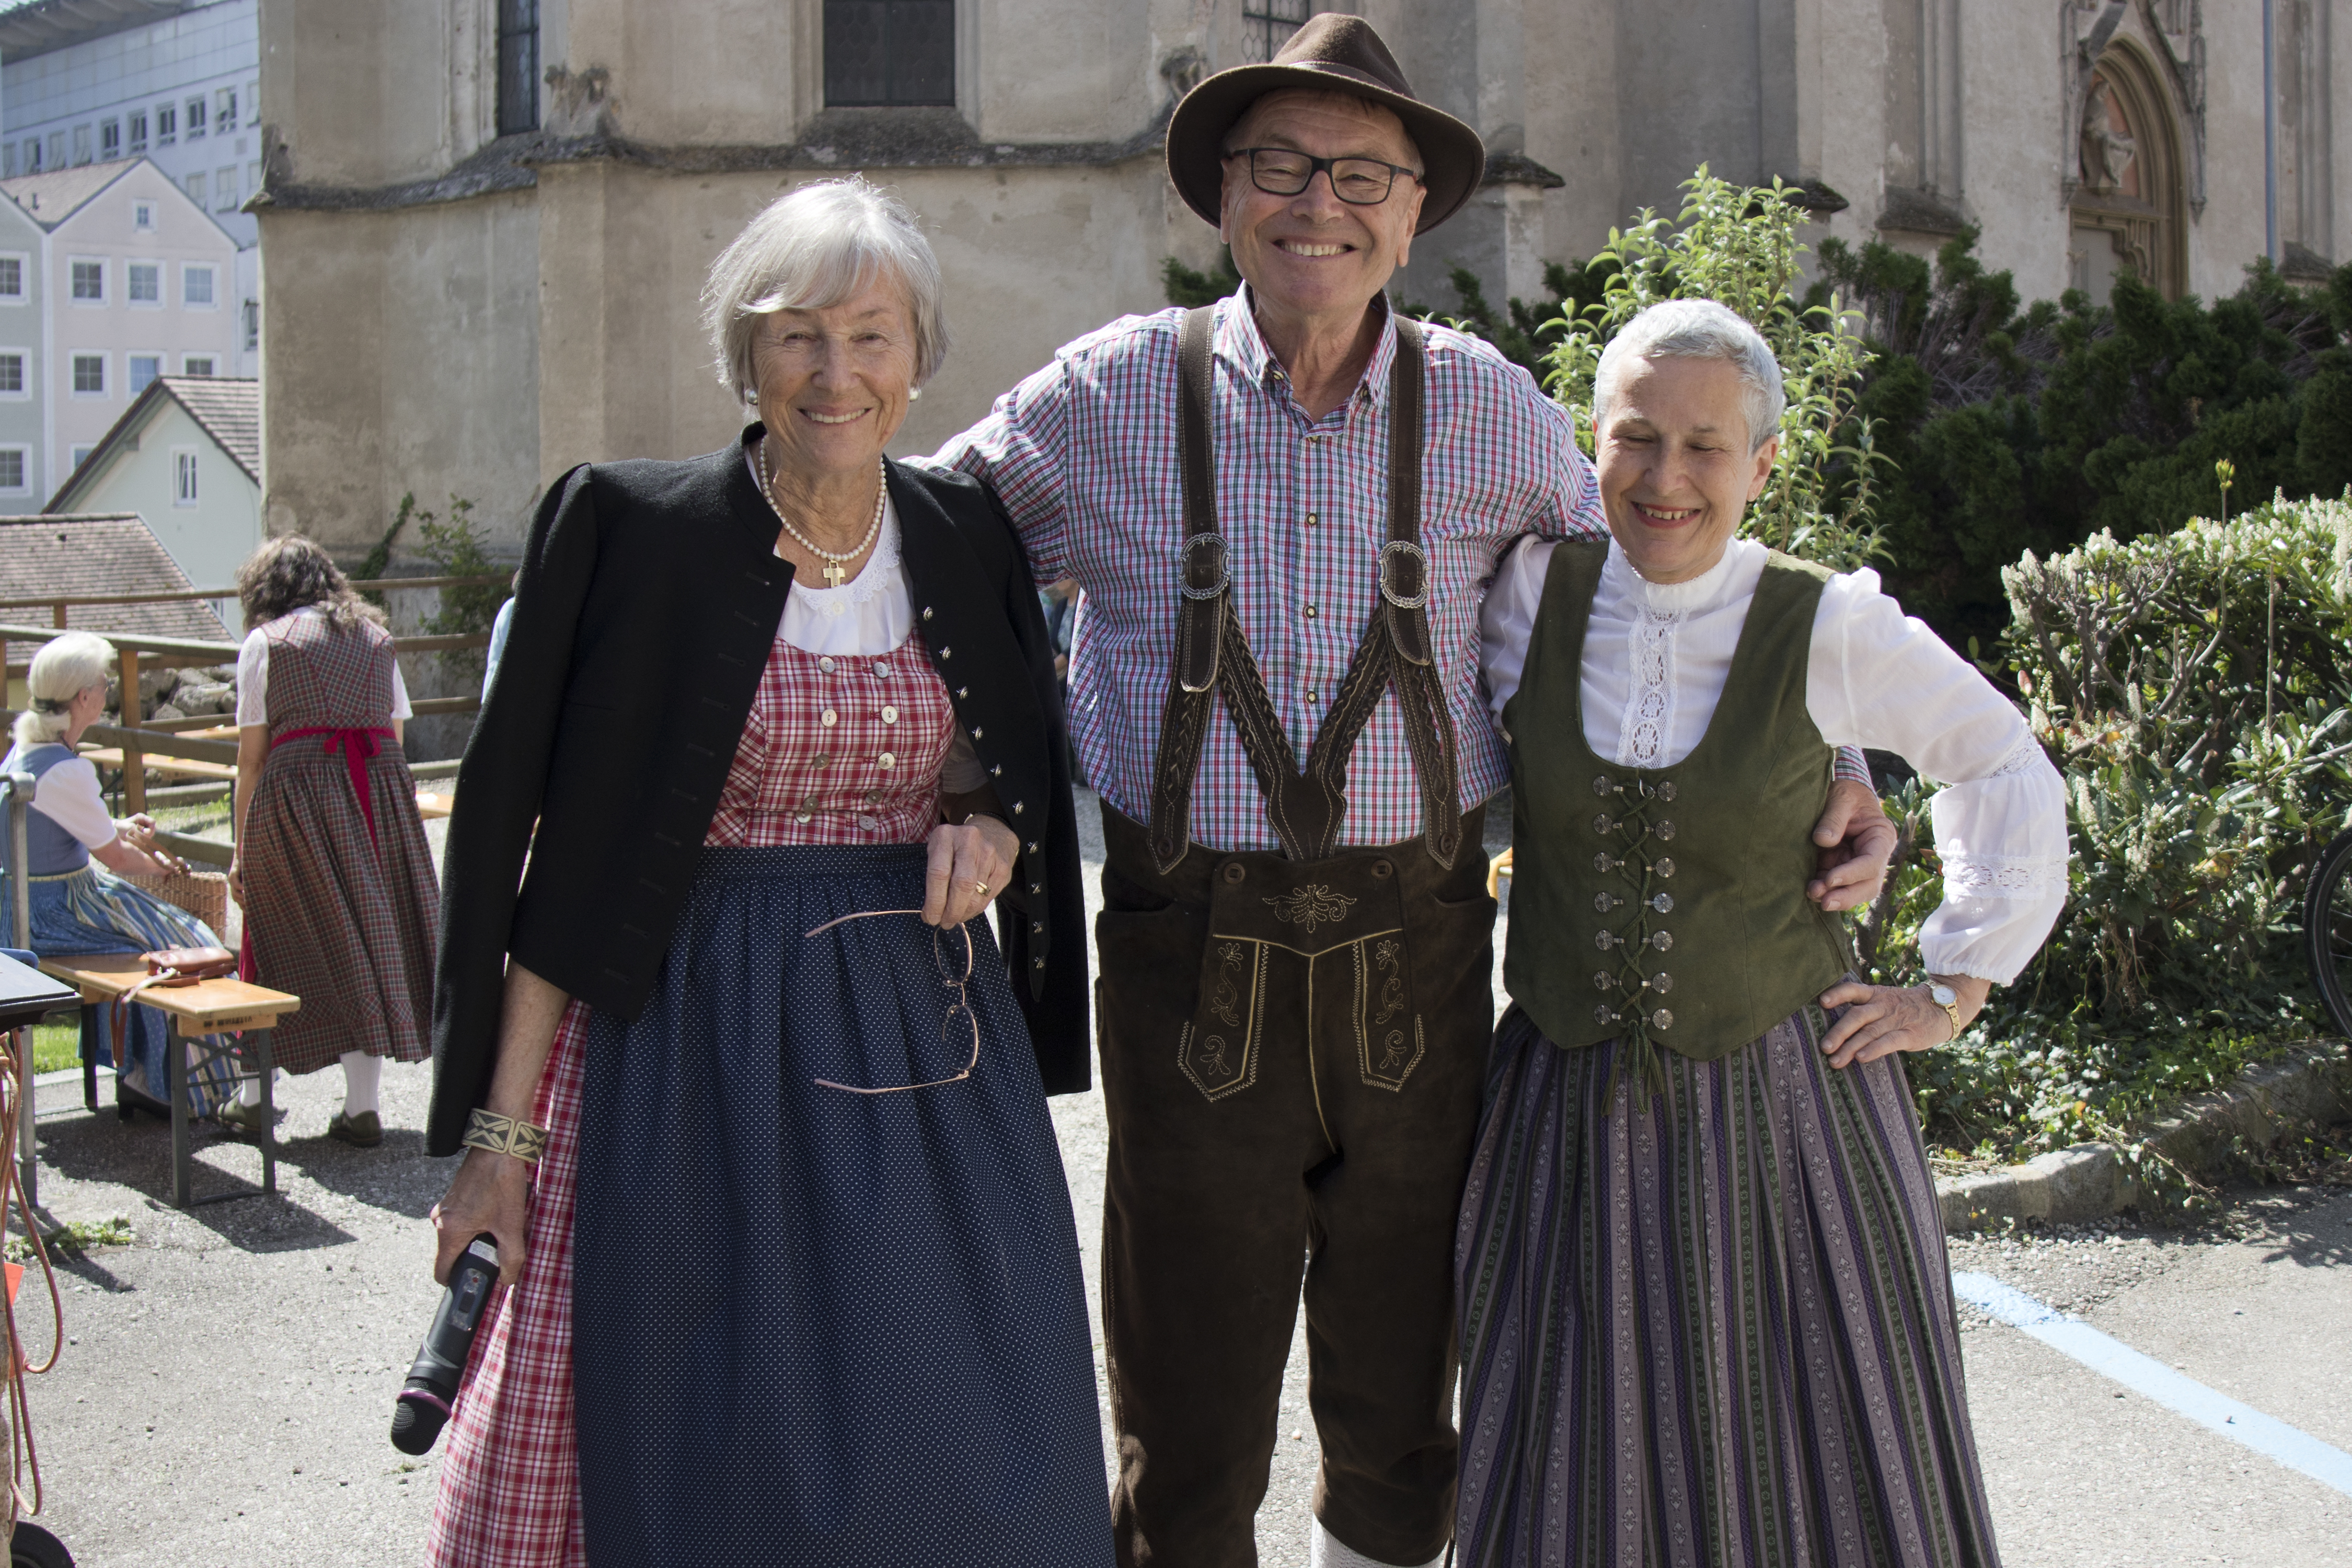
(1881, 679)
(68, 795)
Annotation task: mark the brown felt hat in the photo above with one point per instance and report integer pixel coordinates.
(1331, 53)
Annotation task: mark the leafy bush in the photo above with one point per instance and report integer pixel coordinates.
(2012, 429)
(454, 548)
(2192, 688)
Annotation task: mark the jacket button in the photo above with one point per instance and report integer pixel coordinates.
(1033, 847)
(927, 611)
(996, 772)
(947, 653)
(1383, 868)
(976, 734)
(1036, 887)
(1235, 872)
(1036, 926)
(1039, 965)
(963, 692)
(1016, 808)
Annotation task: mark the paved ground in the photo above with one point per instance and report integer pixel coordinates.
(224, 1393)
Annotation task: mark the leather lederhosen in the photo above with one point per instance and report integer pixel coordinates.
(1353, 900)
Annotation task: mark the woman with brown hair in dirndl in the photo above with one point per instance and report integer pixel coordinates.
(332, 866)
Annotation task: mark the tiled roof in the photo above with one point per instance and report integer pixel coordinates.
(98, 553)
(53, 196)
(229, 410)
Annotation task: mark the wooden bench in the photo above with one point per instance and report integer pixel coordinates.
(207, 1008)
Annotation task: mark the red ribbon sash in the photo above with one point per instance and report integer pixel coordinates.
(358, 746)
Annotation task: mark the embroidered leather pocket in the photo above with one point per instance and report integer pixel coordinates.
(1270, 921)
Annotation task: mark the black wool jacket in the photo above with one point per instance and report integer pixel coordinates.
(649, 597)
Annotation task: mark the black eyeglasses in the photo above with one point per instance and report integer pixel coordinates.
(1359, 182)
(952, 960)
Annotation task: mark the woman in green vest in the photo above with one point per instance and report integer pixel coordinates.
(1706, 1313)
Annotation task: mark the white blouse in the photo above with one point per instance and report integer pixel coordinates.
(252, 678)
(68, 794)
(871, 614)
(1656, 656)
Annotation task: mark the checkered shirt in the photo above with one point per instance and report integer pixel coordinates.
(1083, 455)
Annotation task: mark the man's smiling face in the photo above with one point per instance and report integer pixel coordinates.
(1313, 253)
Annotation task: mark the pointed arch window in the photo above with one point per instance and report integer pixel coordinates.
(2128, 210)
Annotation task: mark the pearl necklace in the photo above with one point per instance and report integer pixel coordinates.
(835, 572)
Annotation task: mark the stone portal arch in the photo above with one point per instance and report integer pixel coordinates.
(2129, 207)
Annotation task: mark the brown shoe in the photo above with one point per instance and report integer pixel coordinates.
(364, 1130)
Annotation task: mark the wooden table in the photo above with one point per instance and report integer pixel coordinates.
(26, 996)
(207, 1008)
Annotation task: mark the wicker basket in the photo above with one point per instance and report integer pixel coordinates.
(204, 894)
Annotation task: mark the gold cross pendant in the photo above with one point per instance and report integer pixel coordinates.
(835, 574)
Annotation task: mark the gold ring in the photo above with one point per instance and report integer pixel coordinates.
(979, 887)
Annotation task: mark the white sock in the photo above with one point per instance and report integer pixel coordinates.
(249, 1090)
(362, 1077)
(1328, 1551)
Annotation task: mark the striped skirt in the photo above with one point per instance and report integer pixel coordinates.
(1718, 1330)
(91, 911)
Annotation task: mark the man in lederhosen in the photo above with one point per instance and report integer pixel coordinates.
(1284, 511)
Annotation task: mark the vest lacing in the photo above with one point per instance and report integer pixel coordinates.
(1639, 939)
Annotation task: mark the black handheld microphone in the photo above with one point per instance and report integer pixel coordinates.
(424, 1402)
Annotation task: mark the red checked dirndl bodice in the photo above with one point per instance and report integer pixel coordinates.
(838, 749)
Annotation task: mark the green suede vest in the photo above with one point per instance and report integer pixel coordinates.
(1668, 905)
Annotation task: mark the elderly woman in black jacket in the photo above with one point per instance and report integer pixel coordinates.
(752, 1101)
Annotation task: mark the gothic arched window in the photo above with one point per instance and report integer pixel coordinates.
(2127, 208)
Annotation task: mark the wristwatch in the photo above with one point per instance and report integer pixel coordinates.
(1947, 998)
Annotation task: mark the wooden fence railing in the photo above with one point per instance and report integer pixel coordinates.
(160, 739)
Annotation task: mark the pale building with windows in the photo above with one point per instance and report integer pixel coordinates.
(174, 82)
(138, 283)
(186, 457)
(23, 311)
(512, 203)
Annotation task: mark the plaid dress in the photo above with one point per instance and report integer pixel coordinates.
(841, 749)
(341, 915)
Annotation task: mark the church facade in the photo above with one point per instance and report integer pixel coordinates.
(485, 222)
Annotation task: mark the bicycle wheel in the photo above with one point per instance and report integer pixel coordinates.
(2327, 930)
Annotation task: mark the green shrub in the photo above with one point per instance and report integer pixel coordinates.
(2192, 687)
(2012, 429)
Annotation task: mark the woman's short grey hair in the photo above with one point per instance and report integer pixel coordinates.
(1698, 329)
(64, 668)
(813, 248)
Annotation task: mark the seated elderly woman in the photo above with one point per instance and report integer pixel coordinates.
(752, 1108)
(78, 908)
(1705, 1310)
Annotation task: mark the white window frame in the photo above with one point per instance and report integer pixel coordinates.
(209, 358)
(252, 102)
(131, 300)
(109, 126)
(8, 159)
(165, 137)
(158, 355)
(189, 267)
(188, 183)
(23, 261)
(142, 215)
(105, 375)
(54, 158)
(73, 463)
(193, 118)
(187, 477)
(24, 455)
(72, 298)
(134, 130)
(26, 395)
(225, 98)
(83, 145)
(225, 197)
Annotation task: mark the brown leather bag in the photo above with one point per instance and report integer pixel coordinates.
(187, 965)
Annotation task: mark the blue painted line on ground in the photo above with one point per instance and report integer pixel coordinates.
(2296, 1449)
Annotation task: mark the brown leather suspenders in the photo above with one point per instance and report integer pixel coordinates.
(1305, 807)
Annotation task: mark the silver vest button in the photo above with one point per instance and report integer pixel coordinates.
(1663, 903)
(1666, 790)
(1603, 902)
(1604, 981)
(1603, 1017)
(1605, 941)
(1603, 785)
(1663, 1019)
(1662, 983)
(1661, 940)
(1666, 830)
(1602, 824)
(1664, 867)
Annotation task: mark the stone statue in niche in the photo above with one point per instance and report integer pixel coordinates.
(2108, 145)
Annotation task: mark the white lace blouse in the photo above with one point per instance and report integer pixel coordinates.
(870, 613)
(1655, 659)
